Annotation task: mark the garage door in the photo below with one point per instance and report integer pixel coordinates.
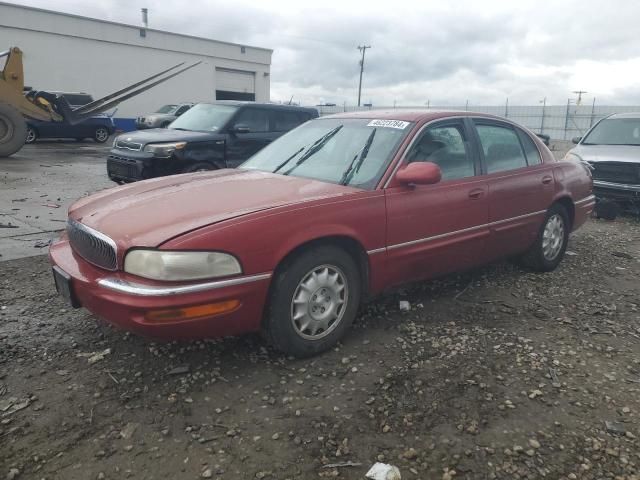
(235, 84)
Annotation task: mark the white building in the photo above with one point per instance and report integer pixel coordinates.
(70, 53)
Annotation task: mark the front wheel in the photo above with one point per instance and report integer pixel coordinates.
(13, 130)
(32, 135)
(314, 299)
(101, 135)
(548, 250)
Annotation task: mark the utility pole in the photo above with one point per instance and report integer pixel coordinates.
(579, 93)
(363, 49)
(544, 108)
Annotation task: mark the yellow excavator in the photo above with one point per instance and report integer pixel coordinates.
(16, 102)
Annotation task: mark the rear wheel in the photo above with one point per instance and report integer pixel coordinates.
(13, 130)
(101, 135)
(32, 135)
(548, 250)
(199, 167)
(314, 300)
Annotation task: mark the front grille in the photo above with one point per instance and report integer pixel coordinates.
(128, 145)
(93, 246)
(616, 172)
(122, 167)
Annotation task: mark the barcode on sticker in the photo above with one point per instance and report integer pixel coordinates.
(399, 124)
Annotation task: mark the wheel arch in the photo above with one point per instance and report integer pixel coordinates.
(348, 243)
(569, 206)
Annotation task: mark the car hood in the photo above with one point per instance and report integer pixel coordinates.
(148, 213)
(161, 135)
(159, 116)
(608, 153)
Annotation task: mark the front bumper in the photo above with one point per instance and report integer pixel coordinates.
(616, 191)
(123, 299)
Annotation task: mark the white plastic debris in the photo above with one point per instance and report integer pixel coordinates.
(570, 253)
(404, 306)
(383, 471)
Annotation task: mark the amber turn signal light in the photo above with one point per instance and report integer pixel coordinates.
(189, 313)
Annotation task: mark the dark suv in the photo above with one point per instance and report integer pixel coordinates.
(207, 137)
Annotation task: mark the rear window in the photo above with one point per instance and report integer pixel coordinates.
(530, 149)
(501, 148)
(284, 121)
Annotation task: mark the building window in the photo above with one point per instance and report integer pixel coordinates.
(143, 32)
(243, 50)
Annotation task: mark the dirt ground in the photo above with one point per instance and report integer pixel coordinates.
(495, 373)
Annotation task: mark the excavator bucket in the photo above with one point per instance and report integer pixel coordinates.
(77, 115)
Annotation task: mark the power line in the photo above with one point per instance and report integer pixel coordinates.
(363, 49)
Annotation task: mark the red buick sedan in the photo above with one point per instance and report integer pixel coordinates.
(331, 213)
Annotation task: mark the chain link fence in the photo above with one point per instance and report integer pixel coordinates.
(560, 122)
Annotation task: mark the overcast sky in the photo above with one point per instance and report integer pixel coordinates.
(444, 52)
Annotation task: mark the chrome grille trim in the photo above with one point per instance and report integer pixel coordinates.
(95, 247)
(124, 145)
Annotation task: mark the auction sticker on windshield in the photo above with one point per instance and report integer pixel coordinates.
(399, 124)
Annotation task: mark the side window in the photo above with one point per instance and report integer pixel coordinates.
(257, 120)
(445, 146)
(285, 121)
(502, 149)
(182, 109)
(530, 149)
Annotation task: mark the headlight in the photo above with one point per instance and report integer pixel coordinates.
(164, 149)
(572, 157)
(177, 266)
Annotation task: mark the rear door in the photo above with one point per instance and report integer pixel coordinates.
(521, 187)
(435, 229)
(241, 146)
(283, 120)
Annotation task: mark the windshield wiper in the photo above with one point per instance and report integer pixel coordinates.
(288, 159)
(312, 150)
(360, 156)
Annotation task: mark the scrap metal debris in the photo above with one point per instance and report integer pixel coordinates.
(383, 471)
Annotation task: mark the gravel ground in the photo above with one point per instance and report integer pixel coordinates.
(494, 373)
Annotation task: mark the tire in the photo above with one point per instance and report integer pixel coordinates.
(13, 130)
(164, 125)
(548, 250)
(199, 167)
(101, 134)
(302, 327)
(32, 135)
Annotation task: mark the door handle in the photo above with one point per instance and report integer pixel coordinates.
(475, 194)
(547, 179)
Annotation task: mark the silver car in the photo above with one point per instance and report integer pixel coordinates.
(612, 149)
(163, 116)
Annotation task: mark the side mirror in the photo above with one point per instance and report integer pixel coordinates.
(240, 128)
(419, 173)
(576, 140)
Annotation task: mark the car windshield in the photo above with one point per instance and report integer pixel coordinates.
(166, 109)
(347, 151)
(615, 131)
(204, 117)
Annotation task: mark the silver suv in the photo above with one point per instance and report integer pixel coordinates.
(612, 149)
(163, 116)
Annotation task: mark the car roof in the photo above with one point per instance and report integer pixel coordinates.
(411, 115)
(278, 106)
(625, 115)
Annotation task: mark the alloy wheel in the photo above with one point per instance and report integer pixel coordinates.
(319, 302)
(102, 134)
(553, 237)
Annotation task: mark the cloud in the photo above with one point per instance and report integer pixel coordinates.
(442, 52)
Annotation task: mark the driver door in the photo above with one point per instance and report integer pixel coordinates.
(242, 145)
(440, 228)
